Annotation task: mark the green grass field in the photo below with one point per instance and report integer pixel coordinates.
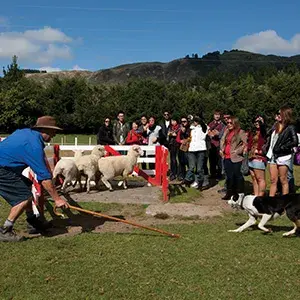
(207, 262)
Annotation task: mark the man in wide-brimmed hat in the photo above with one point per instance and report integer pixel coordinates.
(25, 148)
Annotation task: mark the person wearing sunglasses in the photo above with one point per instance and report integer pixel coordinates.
(279, 150)
(173, 147)
(105, 133)
(196, 154)
(143, 129)
(165, 125)
(232, 149)
(226, 116)
(183, 140)
(257, 160)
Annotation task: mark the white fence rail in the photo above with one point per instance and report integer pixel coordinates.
(149, 150)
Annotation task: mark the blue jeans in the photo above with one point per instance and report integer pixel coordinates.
(173, 160)
(195, 171)
(234, 176)
(182, 163)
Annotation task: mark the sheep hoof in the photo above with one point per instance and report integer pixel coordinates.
(111, 190)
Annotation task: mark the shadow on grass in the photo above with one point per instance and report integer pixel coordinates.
(156, 235)
(176, 190)
(86, 221)
(131, 184)
(274, 228)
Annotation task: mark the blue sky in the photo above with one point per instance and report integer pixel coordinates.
(99, 34)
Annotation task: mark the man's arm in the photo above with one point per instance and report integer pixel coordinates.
(50, 188)
(35, 158)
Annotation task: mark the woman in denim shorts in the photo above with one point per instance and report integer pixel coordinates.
(279, 149)
(257, 161)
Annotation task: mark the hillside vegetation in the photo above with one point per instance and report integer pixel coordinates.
(80, 106)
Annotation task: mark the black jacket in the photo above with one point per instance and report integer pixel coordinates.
(164, 139)
(105, 136)
(287, 140)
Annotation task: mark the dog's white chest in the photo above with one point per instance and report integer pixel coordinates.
(249, 207)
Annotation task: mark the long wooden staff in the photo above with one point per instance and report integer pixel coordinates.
(119, 220)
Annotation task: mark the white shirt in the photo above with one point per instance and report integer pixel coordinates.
(153, 134)
(198, 139)
(274, 138)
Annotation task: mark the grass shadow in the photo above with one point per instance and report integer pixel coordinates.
(86, 221)
(274, 228)
(176, 190)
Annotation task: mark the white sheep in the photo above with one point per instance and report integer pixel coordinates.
(88, 164)
(123, 165)
(68, 169)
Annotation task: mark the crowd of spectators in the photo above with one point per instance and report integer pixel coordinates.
(228, 150)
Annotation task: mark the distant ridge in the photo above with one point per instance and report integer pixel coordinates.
(234, 61)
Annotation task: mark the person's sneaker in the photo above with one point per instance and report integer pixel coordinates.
(8, 235)
(37, 225)
(194, 185)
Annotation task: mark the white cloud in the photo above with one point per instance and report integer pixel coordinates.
(52, 52)
(41, 46)
(77, 68)
(50, 69)
(47, 34)
(269, 42)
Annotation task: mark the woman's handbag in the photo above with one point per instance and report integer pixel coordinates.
(297, 157)
(245, 166)
(185, 145)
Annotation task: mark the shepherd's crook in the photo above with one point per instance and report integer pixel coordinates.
(119, 220)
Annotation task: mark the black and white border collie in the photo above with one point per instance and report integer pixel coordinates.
(267, 208)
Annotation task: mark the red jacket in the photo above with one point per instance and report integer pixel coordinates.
(133, 137)
(255, 144)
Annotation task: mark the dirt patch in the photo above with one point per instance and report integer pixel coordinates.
(145, 207)
(185, 210)
(208, 204)
(137, 193)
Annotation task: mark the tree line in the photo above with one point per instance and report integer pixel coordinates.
(81, 107)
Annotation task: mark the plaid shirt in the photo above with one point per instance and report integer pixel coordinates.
(219, 126)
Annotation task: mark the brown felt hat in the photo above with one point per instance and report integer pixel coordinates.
(46, 122)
